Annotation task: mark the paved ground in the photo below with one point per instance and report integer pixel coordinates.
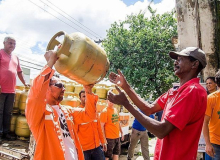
(138, 156)
(152, 143)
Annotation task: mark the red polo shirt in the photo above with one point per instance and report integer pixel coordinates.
(184, 107)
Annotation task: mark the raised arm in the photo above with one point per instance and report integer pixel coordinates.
(36, 103)
(89, 113)
(159, 129)
(120, 80)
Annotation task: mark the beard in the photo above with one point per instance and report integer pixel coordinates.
(60, 98)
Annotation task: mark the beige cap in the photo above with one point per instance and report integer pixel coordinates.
(194, 52)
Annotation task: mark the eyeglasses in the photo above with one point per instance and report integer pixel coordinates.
(58, 85)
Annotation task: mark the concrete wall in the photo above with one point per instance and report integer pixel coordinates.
(197, 27)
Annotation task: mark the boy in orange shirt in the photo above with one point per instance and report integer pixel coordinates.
(110, 124)
(211, 125)
(91, 135)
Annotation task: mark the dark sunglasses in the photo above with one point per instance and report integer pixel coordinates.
(58, 85)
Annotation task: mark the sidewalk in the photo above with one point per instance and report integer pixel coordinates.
(137, 153)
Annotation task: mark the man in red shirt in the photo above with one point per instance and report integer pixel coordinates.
(9, 69)
(183, 107)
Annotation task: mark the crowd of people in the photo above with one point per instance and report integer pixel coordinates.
(80, 133)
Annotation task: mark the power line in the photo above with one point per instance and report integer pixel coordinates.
(73, 19)
(31, 63)
(53, 15)
(58, 17)
(30, 67)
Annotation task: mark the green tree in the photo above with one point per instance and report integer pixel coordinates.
(139, 47)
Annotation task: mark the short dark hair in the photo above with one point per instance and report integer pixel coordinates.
(192, 59)
(212, 78)
(82, 91)
(217, 78)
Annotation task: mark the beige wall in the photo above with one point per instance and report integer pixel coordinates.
(196, 27)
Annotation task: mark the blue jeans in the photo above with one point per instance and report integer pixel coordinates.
(217, 152)
(207, 157)
(6, 107)
(94, 154)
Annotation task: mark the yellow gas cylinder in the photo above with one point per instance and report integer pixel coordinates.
(22, 101)
(78, 88)
(20, 87)
(16, 102)
(69, 87)
(76, 101)
(71, 100)
(114, 90)
(22, 128)
(63, 81)
(118, 107)
(124, 110)
(101, 104)
(101, 91)
(66, 94)
(13, 122)
(80, 58)
(93, 89)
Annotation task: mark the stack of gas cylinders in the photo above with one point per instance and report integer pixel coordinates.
(19, 124)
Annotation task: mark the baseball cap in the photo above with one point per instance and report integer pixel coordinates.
(194, 52)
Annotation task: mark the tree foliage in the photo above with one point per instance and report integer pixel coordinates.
(139, 47)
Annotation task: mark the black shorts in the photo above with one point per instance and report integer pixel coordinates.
(113, 147)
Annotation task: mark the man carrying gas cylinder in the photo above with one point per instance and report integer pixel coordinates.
(51, 124)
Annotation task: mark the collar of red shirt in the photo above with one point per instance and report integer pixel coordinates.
(194, 80)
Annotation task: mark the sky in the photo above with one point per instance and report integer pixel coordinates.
(34, 22)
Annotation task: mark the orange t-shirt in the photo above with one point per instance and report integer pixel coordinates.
(90, 134)
(110, 117)
(213, 111)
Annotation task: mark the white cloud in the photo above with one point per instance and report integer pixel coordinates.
(32, 26)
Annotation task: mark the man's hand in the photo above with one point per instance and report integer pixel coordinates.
(118, 79)
(51, 58)
(104, 147)
(27, 85)
(88, 88)
(122, 137)
(210, 150)
(119, 99)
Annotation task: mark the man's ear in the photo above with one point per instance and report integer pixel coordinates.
(195, 64)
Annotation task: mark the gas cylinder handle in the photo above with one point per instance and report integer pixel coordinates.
(60, 47)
